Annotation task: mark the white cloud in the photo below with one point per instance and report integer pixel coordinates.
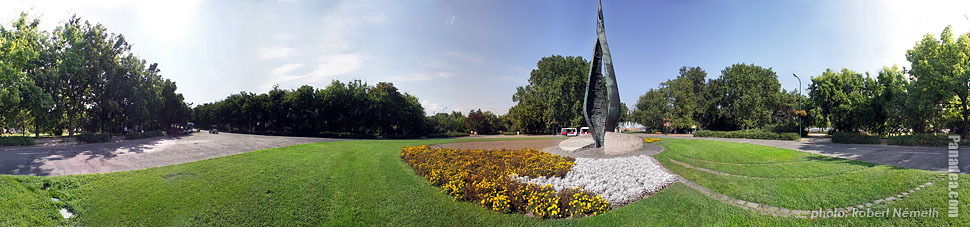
(452, 19)
(466, 56)
(328, 66)
(284, 70)
(274, 52)
(334, 47)
(421, 75)
(324, 67)
(431, 108)
(167, 21)
(445, 74)
(282, 36)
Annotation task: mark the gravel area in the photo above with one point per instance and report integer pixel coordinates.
(619, 180)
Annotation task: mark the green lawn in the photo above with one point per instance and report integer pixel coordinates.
(365, 183)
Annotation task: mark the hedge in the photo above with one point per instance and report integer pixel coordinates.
(929, 140)
(93, 138)
(141, 135)
(16, 141)
(447, 134)
(346, 135)
(855, 138)
(748, 134)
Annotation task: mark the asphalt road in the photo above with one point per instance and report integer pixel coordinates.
(135, 154)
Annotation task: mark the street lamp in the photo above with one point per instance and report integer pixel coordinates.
(799, 104)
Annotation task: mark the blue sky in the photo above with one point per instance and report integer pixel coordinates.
(464, 55)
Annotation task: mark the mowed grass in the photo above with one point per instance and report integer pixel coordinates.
(348, 183)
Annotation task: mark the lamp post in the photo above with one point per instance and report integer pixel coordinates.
(799, 104)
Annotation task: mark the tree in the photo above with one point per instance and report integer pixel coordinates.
(685, 93)
(650, 109)
(556, 89)
(941, 78)
(747, 97)
(842, 98)
(890, 102)
(21, 47)
(79, 77)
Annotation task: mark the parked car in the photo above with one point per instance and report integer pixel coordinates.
(584, 130)
(213, 131)
(568, 132)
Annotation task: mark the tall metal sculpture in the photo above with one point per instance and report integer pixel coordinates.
(601, 107)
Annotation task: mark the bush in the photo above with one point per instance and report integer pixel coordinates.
(402, 136)
(485, 177)
(854, 138)
(16, 141)
(93, 138)
(346, 135)
(788, 136)
(508, 133)
(747, 134)
(929, 140)
(447, 134)
(141, 135)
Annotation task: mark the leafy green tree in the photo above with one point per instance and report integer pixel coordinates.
(685, 94)
(556, 89)
(842, 98)
(890, 100)
(650, 109)
(941, 79)
(748, 96)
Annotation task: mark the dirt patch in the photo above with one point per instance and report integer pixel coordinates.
(507, 144)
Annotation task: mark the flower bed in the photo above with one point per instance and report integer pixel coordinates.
(486, 177)
(619, 181)
(650, 140)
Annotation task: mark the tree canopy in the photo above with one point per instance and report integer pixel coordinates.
(80, 77)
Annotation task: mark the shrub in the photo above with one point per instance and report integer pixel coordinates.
(16, 141)
(919, 140)
(510, 133)
(346, 135)
(447, 134)
(141, 135)
(788, 136)
(93, 138)
(747, 134)
(402, 136)
(855, 138)
(487, 177)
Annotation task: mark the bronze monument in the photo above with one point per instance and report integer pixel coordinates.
(602, 110)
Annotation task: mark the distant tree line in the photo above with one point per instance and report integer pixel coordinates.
(932, 97)
(80, 78)
(745, 96)
(354, 107)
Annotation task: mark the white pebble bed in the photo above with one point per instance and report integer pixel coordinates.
(618, 180)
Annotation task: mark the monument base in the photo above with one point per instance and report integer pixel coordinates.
(619, 143)
(613, 143)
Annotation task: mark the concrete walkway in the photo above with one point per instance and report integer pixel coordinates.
(926, 158)
(134, 154)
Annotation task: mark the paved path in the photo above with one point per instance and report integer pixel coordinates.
(134, 154)
(927, 158)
